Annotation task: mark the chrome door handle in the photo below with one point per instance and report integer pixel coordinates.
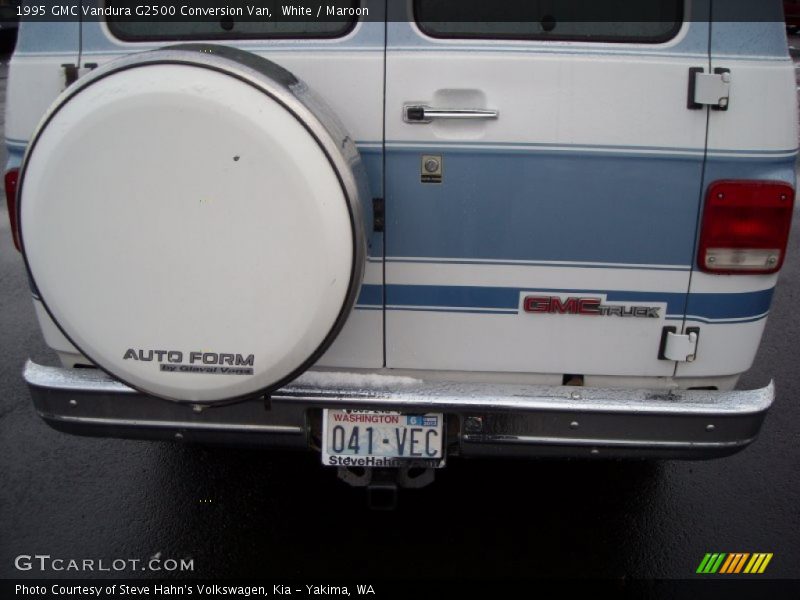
(419, 113)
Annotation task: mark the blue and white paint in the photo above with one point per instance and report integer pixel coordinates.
(591, 182)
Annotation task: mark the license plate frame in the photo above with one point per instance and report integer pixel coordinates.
(397, 440)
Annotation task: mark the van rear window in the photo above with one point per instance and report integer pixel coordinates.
(641, 21)
(228, 25)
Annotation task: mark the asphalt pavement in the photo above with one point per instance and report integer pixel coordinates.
(238, 512)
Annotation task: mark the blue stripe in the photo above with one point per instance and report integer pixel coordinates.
(370, 147)
(724, 321)
(544, 206)
(370, 295)
(736, 167)
(452, 296)
(500, 204)
(705, 306)
(729, 306)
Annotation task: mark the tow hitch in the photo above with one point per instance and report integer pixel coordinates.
(382, 484)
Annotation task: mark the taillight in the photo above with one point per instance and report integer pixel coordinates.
(745, 226)
(11, 199)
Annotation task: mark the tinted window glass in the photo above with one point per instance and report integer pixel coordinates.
(647, 21)
(232, 26)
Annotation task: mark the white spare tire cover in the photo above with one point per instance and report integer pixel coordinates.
(191, 220)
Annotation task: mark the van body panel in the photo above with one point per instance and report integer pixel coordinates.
(587, 185)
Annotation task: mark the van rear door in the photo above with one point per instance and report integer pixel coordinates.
(543, 178)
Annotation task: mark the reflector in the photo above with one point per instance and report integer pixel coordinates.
(11, 200)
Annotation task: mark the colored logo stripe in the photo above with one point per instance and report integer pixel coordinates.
(734, 563)
(710, 563)
(758, 563)
(714, 306)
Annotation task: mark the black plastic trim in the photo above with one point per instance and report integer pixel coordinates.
(690, 103)
(378, 215)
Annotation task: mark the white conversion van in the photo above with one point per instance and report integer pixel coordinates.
(407, 232)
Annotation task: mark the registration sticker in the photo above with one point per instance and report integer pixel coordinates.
(368, 438)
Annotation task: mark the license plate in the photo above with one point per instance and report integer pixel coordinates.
(368, 438)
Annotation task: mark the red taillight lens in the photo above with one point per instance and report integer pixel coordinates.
(11, 199)
(745, 227)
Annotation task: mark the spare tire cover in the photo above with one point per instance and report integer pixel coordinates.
(191, 220)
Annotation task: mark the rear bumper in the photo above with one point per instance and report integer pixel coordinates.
(483, 419)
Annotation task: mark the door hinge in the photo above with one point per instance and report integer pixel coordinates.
(378, 214)
(73, 72)
(679, 347)
(709, 89)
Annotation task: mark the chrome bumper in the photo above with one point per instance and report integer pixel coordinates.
(483, 419)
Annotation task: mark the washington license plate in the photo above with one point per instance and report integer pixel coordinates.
(367, 438)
